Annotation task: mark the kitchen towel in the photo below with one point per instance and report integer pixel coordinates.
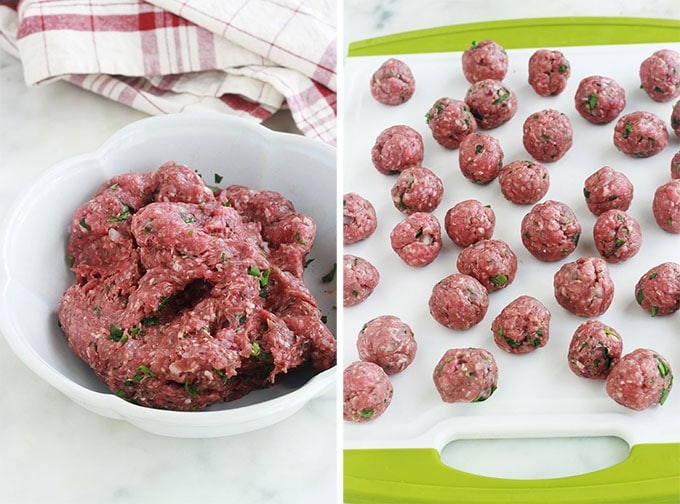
(244, 57)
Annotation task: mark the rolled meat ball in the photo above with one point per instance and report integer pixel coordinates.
(450, 121)
(492, 262)
(549, 71)
(480, 157)
(666, 206)
(640, 134)
(466, 375)
(547, 135)
(660, 75)
(417, 239)
(617, 236)
(584, 287)
(367, 391)
(458, 301)
(396, 148)
(641, 379)
(522, 326)
(360, 278)
(658, 290)
(599, 99)
(491, 102)
(484, 60)
(607, 189)
(388, 342)
(359, 220)
(594, 349)
(524, 182)
(550, 231)
(417, 189)
(393, 82)
(675, 119)
(675, 166)
(469, 221)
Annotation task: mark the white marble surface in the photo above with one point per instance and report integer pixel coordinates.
(54, 451)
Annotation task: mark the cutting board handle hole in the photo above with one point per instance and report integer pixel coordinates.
(534, 458)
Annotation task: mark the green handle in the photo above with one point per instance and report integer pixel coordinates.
(650, 474)
(523, 33)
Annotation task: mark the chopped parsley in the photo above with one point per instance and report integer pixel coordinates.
(330, 276)
(85, 225)
(123, 215)
(188, 219)
(627, 130)
(117, 334)
(502, 95)
(591, 103)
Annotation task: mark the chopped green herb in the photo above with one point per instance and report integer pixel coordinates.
(500, 279)
(440, 108)
(123, 215)
(591, 103)
(639, 296)
(188, 219)
(664, 395)
(299, 239)
(586, 193)
(150, 321)
(663, 368)
(428, 116)
(366, 413)
(330, 276)
(563, 68)
(255, 350)
(163, 303)
(116, 333)
(502, 95)
(652, 276)
(190, 388)
(654, 310)
(223, 376)
(479, 148)
(627, 130)
(218, 178)
(85, 225)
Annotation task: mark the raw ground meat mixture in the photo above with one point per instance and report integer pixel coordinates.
(367, 391)
(522, 326)
(388, 342)
(396, 148)
(550, 231)
(492, 262)
(450, 121)
(599, 99)
(359, 220)
(640, 134)
(547, 135)
(658, 290)
(660, 75)
(480, 157)
(584, 287)
(666, 206)
(549, 71)
(458, 301)
(360, 278)
(393, 83)
(524, 182)
(607, 189)
(469, 221)
(184, 297)
(466, 375)
(484, 60)
(640, 380)
(417, 239)
(417, 189)
(491, 102)
(594, 348)
(617, 236)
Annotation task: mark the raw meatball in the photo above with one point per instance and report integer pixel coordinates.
(584, 287)
(458, 301)
(547, 135)
(599, 99)
(359, 219)
(675, 166)
(594, 349)
(658, 290)
(484, 60)
(388, 342)
(640, 379)
(393, 82)
(617, 236)
(359, 281)
(491, 102)
(417, 189)
(492, 262)
(640, 134)
(607, 189)
(466, 375)
(396, 148)
(548, 72)
(675, 119)
(524, 182)
(666, 206)
(367, 391)
(469, 221)
(417, 239)
(660, 75)
(450, 121)
(480, 157)
(522, 326)
(550, 231)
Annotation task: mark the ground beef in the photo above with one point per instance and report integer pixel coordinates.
(617, 236)
(550, 231)
(393, 83)
(524, 182)
(484, 60)
(458, 301)
(640, 134)
(417, 239)
(450, 121)
(640, 380)
(522, 326)
(367, 391)
(396, 148)
(660, 75)
(387, 341)
(480, 157)
(492, 262)
(584, 287)
(594, 349)
(466, 375)
(607, 189)
(469, 221)
(360, 278)
(666, 206)
(547, 135)
(417, 189)
(549, 71)
(359, 220)
(491, 102)
(675, 119)
(599, 99)
(184, 297)
(658, 290)
(675, 166)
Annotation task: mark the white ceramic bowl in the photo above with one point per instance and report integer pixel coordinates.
(34, 273)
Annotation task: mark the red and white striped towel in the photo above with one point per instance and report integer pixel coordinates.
(245, 57)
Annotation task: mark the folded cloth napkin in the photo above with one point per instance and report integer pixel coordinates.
(245, 57)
